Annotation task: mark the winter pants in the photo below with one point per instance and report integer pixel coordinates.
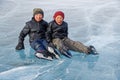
(39, 45)
(69, 44)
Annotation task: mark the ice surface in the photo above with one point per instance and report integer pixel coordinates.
(93, 22)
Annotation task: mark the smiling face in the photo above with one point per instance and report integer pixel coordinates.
(38, 17)
(59, 19)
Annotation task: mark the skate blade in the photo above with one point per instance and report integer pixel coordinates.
(67, 55)
(39, 55)
(51, 50)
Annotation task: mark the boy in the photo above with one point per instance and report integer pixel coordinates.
(57, 33)
(36, 29)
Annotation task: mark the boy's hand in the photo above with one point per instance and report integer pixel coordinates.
(20, 46)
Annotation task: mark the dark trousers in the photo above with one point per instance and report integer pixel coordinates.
(39, 45)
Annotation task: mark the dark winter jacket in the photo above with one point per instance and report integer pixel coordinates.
(35, 30)
(56, 31)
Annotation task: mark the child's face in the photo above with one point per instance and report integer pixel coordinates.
(38, 17)
(59, 20)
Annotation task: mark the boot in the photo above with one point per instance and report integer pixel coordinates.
(54, 52)
(66, 53)
(43, 55)
(92, 50)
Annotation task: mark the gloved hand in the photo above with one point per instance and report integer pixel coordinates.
(20, 46)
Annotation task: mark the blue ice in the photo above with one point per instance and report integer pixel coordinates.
(93, 22)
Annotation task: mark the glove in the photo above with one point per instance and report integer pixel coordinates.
(20, 46)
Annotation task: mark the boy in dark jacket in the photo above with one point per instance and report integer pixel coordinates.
(36, 29)
(57, 33)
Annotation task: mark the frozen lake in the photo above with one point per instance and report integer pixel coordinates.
(93, 22)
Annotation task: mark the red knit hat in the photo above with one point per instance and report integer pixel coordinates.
(58, 13)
